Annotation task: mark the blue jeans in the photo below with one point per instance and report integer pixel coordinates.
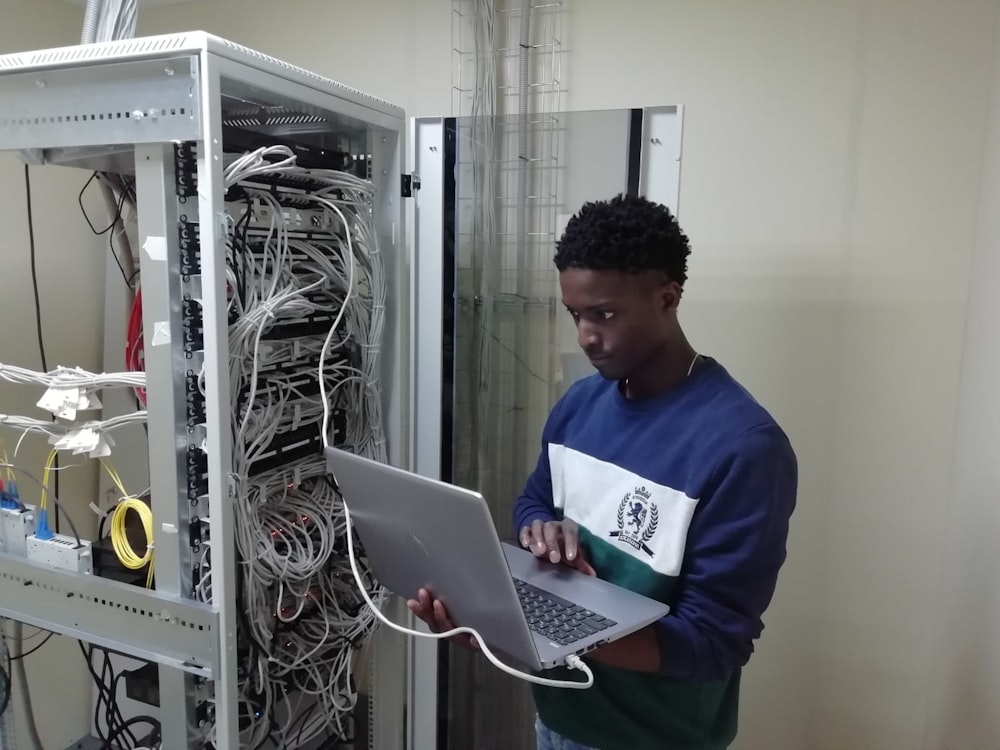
(549, 740)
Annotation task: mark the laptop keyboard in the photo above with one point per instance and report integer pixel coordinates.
(557, 619)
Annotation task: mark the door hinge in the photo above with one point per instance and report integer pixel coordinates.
(410, 184)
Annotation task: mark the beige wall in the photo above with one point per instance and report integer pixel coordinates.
(965, 646)
(70, 264)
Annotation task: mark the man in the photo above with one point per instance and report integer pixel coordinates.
(662, 475)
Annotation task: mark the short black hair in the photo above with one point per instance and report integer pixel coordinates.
(626, 233)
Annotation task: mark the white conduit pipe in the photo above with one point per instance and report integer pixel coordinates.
(90, 15)
(522, 140)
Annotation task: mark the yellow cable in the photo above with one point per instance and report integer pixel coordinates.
(9, 469)
(50, 462)
(115, 477)
(119, 539)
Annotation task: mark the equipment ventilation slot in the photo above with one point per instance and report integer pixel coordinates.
(97, 52)
(91, 117)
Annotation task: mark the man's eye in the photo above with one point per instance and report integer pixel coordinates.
(600, 316)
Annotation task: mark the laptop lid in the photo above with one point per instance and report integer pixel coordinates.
(419, 532)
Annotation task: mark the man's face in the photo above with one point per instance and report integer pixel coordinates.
(620, 317)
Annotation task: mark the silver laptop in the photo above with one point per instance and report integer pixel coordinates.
(423, 533)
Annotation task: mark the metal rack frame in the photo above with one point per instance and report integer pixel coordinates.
(125, 107)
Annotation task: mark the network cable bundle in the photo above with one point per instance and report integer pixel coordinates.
(306, 295)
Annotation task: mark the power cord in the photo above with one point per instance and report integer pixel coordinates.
(34, 742)
(107, 688)
(110, 743)
(34, 649)
(6, 677)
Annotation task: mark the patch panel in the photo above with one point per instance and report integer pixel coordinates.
(16, 525)
(61, 552)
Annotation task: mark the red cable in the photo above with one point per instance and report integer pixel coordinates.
(134, 359)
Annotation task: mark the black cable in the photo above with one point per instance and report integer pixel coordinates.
(98, 682)
(126, 726)
(111, 240)
(26, 654)
(113, 711)
(5, 689)
(6, 680)
(83, 210)
(107, 693)
(108, 229)
(302, 721)
(34, 271)
(38, 312)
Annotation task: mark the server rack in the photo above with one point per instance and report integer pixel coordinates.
(164, 109)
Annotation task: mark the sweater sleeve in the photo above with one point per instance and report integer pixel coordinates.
(535, 501)
(736, 545)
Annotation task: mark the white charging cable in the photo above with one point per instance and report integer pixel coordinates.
(573, 662)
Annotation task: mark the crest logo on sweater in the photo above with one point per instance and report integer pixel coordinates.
(638, 518)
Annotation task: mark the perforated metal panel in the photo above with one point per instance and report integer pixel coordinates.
(107, 103)
(157, 627)
(103, 51)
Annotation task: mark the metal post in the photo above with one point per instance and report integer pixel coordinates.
(427, 344)
(163, 334)
(223, 486)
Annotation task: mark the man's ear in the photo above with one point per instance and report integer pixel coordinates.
(669, 295)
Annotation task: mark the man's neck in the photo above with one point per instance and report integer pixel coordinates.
(664, 371)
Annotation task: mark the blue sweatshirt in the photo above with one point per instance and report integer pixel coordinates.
(685, 498)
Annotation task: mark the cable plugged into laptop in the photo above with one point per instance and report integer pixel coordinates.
(573, 662)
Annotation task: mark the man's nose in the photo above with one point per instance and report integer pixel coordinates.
(587, 336)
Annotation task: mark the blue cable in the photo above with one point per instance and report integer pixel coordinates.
(42, 530)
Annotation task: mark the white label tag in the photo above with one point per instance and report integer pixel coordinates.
(156, 248)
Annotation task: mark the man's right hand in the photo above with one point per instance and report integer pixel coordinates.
(557, 542)
(433, 612)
